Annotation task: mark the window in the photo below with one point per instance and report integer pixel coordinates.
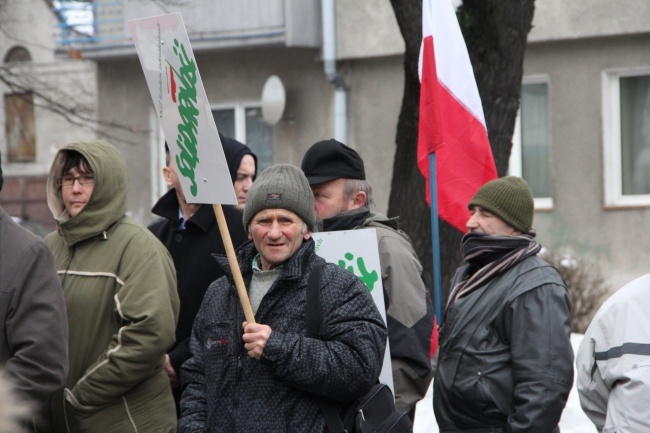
(19, 127)
(531, 146)
(18, 54)
(626, 137)
(76, 20)
(244, 123)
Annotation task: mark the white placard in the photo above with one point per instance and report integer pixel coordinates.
(356, 251)
(182, 106)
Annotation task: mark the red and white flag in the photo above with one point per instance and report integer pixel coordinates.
(451, 115)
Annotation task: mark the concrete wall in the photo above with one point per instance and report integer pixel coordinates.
(579, 220)
(367, 29)
(72, 83)
(28, 23)
(125, 103)
(69, 82)
(562, 19)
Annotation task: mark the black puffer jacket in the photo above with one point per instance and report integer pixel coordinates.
(227, 391)
(505, 359)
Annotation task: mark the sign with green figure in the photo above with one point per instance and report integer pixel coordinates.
(182, 108)
(356, 251)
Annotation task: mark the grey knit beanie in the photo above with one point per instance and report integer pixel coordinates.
(281, 186)
(510, 199)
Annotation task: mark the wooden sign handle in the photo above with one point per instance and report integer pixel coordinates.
(234, 265)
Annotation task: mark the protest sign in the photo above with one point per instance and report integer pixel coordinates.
(356, 251)
(182, 106)
(181, 103)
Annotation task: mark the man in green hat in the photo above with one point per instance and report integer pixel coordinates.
(505, 358)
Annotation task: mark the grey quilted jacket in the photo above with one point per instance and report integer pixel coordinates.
(227, 391)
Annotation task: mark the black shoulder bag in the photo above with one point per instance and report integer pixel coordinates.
(375, 412)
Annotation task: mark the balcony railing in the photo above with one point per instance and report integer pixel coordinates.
(98, 28)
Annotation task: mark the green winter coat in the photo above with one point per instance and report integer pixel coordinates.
(120, 288)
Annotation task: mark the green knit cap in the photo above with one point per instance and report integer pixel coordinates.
(510, 199)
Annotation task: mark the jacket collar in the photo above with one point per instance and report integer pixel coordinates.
(167, 207)
(293, 268)
(356, 218)
(347, 220)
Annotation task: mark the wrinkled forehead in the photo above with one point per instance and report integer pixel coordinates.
(277, 213)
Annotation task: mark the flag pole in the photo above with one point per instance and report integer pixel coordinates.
(435, 238)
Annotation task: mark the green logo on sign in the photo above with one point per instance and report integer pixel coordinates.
(187, 130)
(368, 278)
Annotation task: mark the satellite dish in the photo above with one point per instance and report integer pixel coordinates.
(273, 100)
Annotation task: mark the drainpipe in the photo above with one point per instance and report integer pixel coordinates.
(329, 57)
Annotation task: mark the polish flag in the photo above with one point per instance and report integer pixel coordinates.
(451, 115)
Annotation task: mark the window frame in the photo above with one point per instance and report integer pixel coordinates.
(612, 157)
(240, 115)
(515, 163)
(20, 113)
(240, 109)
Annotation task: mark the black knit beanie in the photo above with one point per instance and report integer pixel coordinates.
(235, 152)
(510, 199)
(281, 186)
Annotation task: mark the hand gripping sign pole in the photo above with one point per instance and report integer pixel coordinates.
(182, 106)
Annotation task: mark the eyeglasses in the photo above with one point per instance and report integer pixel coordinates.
(84, 179)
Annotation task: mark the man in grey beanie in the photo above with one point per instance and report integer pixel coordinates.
(505, 362)
(268, 376)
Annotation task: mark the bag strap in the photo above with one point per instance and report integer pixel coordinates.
(314, 318)
(313, 301)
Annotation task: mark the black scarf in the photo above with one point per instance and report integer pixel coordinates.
(347, 220)
(489, 256)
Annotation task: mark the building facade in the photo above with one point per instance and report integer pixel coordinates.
(47, 101)
(581, 139)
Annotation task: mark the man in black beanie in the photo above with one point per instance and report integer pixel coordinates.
(269, 376)
(505, 361)
(34, 337)
(191, 234)
(342, 200)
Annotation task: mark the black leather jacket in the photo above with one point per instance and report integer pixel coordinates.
(505, 361)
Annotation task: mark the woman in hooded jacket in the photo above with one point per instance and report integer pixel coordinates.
(119, 284)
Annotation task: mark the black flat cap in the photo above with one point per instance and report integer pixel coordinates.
(330, 159)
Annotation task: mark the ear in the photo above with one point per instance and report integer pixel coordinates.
(358, 200)
(250, 237)
(167, 175)
(307, 235)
